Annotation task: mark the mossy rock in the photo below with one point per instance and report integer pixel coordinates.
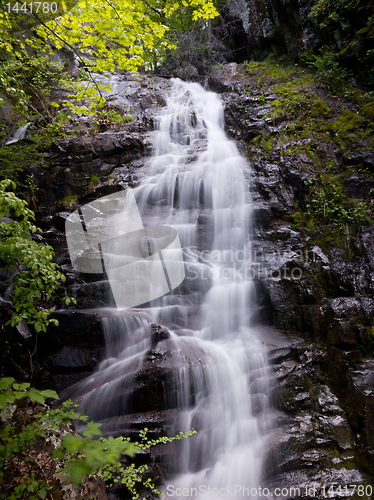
(368, 110)
(297, 220)
(320, 108)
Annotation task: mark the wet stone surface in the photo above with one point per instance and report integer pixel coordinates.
(315, 445)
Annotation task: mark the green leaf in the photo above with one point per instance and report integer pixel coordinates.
(71, 443)
(21, 387)
(77, 470)
(92, 430)
(59, 453)
(16, 247)
(49, 394)
(8, 397)
(37, 396)
(6, 382)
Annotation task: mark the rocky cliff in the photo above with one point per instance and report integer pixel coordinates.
(313, 255)
(255, 28)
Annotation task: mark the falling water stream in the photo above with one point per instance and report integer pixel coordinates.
(198, 183)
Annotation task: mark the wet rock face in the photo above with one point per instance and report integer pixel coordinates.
(6, 111)
(255, 20)
(351, 378)
(278, 22)
(16, 344)
(81, 157)
(284, 24)
(316, 445)
(227, 78)
(70, 351)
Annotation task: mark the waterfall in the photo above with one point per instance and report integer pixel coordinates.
(198, 183)
(18, 135)
(197, 170)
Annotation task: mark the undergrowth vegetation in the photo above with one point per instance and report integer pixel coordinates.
(28, 82)
(328, 71)
(352, 22)
(39, 452)
(327, 203)
(17, 159)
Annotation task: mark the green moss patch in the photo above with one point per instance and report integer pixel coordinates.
(307, 126)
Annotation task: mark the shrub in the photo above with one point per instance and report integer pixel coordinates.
(38, 278)
(28, 82)
(328, 203)
(333, 10)
(332, 76)
(27, 466)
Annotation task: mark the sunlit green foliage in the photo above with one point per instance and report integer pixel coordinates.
(104, 35)
(131, 476)
(113, 34)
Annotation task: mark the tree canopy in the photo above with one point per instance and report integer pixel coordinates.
(109, 34)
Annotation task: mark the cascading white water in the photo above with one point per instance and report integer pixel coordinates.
(18, 135)
(197, 182)
(196, 168)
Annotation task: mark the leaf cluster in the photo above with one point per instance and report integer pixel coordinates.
(37, 277)
(131, 475)
(26, 465)
(20, 454)
(87, 455)
(108, 117)
(113, 34)
(28, 82)
(105, 36)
